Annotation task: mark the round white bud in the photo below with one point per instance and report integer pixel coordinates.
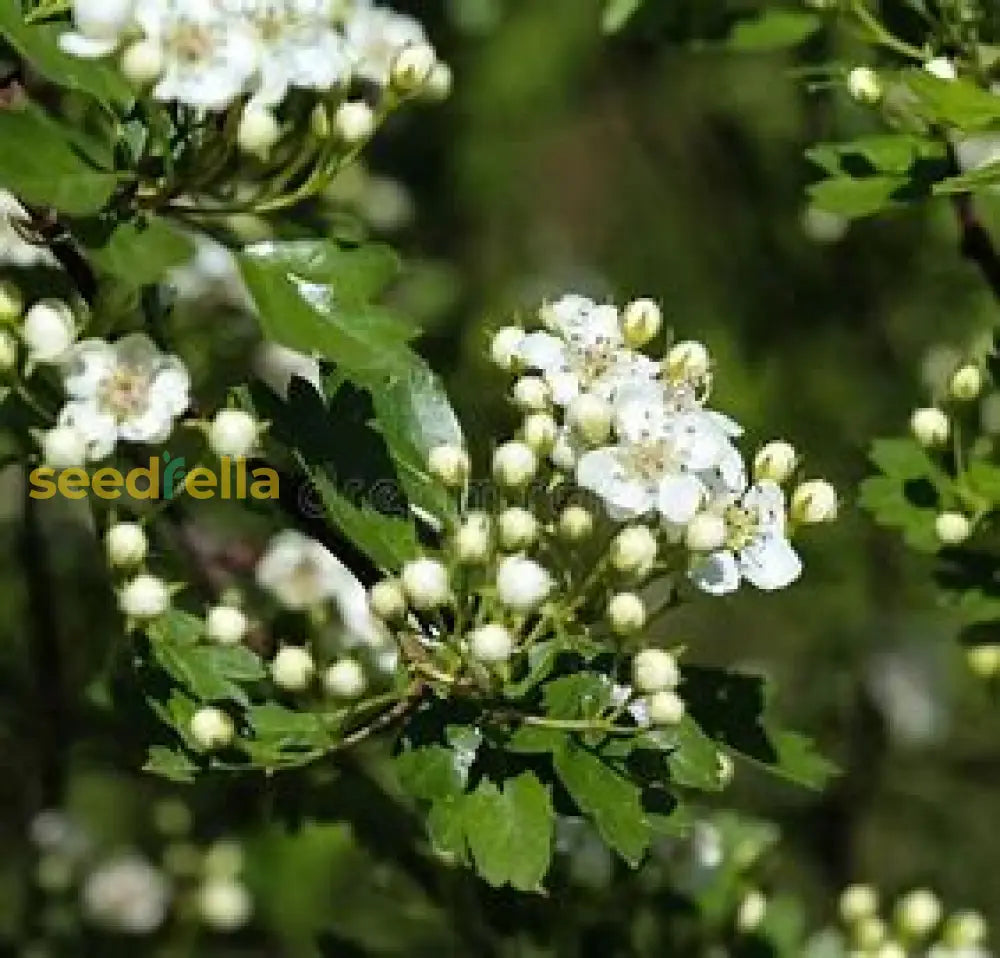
(514, 465)
(918, 912)
(412, 67)
(665, 708)
(858, 902)
(11, 301)
(142, 62)
(522, 584)
(641, 322)
(8, 351)
(226, 624)
(654, 670)
(505, 345)
(345, 679)
(942, 67)
(814, 502)
(449, 464)
(211, 728)
(233, 433)
(425, 582)
(966, 383)
(952, 528)
(930, 426)
(473, 539)
(751, 912)
(563, 454)
(63, 447)
(984, 660)
(688, 360)
(775, 462)
(626, 613)
(439, 83)
(293, 668)
(518, 529)
(354, 122)
(224, 904)
(258, 131)
(863, 85)
(965, 929)
(387, 600)
(591, 417)
(532, 393)
(491, 643)
(540, 432)
(48, 331)
(870, 932)
(633, 550)
(705, 533)
(126, 544)
(576, 523)
(144, 597)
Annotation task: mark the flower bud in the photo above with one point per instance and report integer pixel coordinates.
(641, 322)
(688, 360)
(654, 670)
(126, 544)
(48, 331)
(984, 660)
(752, 909)
(869, 933)
(665, 708)
(11, 301)
(8, 351)
(965, 929)
(705, 533)
(814, 502)
(258, 131)
(514, 465)
(233, 433)
(387, 600)
(504, 346)
(63, 447)
(532, 393)
(354, 122)
(345, 679)
(633, 550)
(952, 528)
(211, 728)
(425, 582)
(540, 432)
(439, 83)
(917, 913)
(450, 465)
(591, 417)
(518, 529)
(144, 597)
(491, 644)
(626, 613)
(858, 902)
(226, 624)
(142, 62)
(576, 523)
(224, 904)
(775, 462)
(563, 454)
(930, 426)
(966, 383)
(864, 85)
(412, 67)
(473, 539)
(941, 67)
(522, 584)
(292, 669)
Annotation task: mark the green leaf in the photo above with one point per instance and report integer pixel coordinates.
(888, 153)
(430, 774)
(172, 765)
(510, 831)
(176, 627)
(39, 45)
(612, 802)
(954, 102)
(857, 197)
(774, 30)
(983, 479)
(139, 253)
(209, 672)
(283, 729)
(581, 696)
(984, 178)
(694, 758)
(38, 164)
(617, 13)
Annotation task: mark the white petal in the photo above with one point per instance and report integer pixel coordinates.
(86, 48)
(98, 428)
(680, 497)
(770, 563)
(768, 500)
(544, 352)
(601, 472)
(717, 574)
(90, 362)
(171, 387)
(565, 387)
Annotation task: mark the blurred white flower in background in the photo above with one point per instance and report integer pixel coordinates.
(126, 894)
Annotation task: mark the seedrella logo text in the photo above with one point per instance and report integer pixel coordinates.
(162, 478)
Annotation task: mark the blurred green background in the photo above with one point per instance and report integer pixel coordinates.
(643, 164)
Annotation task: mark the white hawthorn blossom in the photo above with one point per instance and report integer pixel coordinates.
(98, 27)
(127, 895)
(376, 36)
(127, 390)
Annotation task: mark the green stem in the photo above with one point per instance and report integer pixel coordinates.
(884, 36)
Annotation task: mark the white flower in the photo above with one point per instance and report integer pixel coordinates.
(63, 447)
(233, 433)
(126, 895)
(864, 85)
(492, 644)
(412, 67)
(301, 572)
(125, 390)
(425, 582)
(224, 904)
(48, 331)
(757, 548)
(126, 544)
(918, 912)
(376, 36)
(226, 624)
(522, 584)
(293, 668)
(142, 62)
(930, 426)
(942, 67)
(354, 121)
(211, 728)
(626, 613)
(518, 528)
(952, 528)
(99, 25)
(144, 597)
(505, 346)
(654, 670)
(345, 679)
